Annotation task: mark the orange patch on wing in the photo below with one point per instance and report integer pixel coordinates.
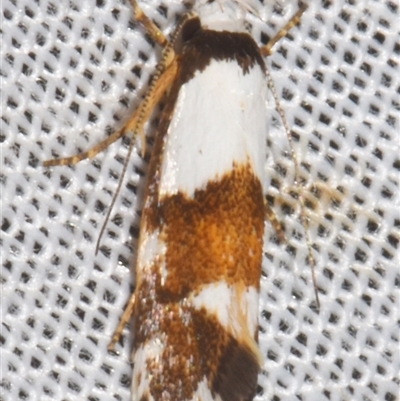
(215, 236)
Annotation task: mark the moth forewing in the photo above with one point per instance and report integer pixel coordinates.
(198, 263)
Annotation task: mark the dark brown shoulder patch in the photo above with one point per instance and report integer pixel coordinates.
(200, 46)
(236, 377)
(190, 28)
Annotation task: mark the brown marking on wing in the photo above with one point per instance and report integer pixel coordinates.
(214, 236)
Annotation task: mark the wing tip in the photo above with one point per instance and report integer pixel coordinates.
(236, 376)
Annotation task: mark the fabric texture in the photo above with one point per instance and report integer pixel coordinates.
(72, 71)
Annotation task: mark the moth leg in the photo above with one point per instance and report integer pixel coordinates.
(122, 322)
(89, 154)
(162, 79)
(266, 50)
(137, 120)
(149, 26)
(159, 38)
(275, 223)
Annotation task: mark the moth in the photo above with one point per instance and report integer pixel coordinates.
(195, 305)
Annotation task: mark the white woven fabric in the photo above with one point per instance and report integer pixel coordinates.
(70, 70)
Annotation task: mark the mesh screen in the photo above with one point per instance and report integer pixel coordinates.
(71, 71)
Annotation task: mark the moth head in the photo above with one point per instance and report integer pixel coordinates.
(220, 15)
